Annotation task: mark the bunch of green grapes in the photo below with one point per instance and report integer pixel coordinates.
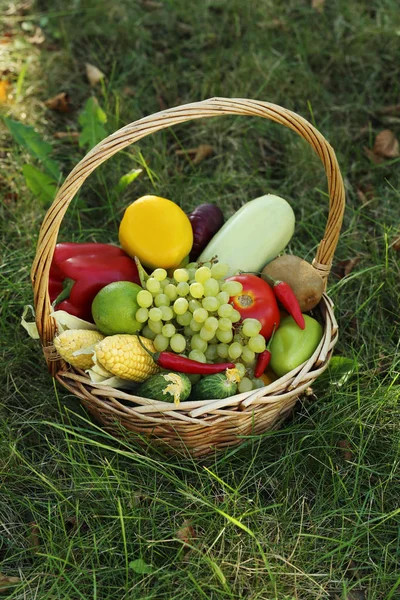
(191, 314)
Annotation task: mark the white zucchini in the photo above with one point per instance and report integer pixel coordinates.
(253, 236)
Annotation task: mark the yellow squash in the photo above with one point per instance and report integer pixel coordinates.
(157, 231)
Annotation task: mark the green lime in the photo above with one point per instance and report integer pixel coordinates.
(114, 308)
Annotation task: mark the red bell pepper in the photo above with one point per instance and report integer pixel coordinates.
(79, 271)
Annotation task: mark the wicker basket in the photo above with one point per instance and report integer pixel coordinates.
(204, 426)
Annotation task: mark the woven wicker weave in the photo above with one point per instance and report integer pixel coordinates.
(204, 426)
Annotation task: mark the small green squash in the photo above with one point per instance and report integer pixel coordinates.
(167, 386)
(218, 386)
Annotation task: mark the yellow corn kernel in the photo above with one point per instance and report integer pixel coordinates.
(123, 356)
(76, 346)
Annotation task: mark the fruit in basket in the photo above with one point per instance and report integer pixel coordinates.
(256, 301)
(292, 346)
(304, 280)
(206, 220)
(218, 386)
(79, 271)
(253, 236)
(114, 308)
(168, 387)
(76, 346)
(126, 357)
(157, 231)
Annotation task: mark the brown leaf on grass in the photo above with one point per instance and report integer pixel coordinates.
(93, 74)
(71, 136)
(345, 267)
(6, 581)
(128, 91)
(318, 5)
(396, 243)
(59, 103)
(38, 37)
(344, 445)
(392, 109)
(365, 193)
(4, 90)
(186, 534)
(34, 536)
(386, 144)
(377, 160)
(151, 5)
(199, 154)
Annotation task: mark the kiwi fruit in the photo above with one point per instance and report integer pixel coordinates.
(304, 280)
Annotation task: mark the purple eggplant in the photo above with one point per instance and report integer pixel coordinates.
(206, 220)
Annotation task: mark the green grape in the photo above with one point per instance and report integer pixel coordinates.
(245, 385)
(206, 334)
(211, 353)
(241, 368)
(248, 355)
(257, 343)
(168, 330)
(197, 290)
(187, 330)
(235, 316)
(153, 285)
(210, 303)
(225, 324)
(165, 282)
(211, 287)
(211, 324)
(251, 327)
(170, 291)
(225, 310)
(235, 350)
(184, 319)
(214, 340)
(167, 314)
(155, 326)
(192, 273)
(222, 350)
(182, 288)
(197, 355)
(155, 314)
(142, 315)
(162, 300)
(181, 275)
(144, 299)
(219, 270)
(180, 306)
(233, 288)
(238, 338)
(195, 326)
(223, 298)
(148, 333)
(202, 274)
(257, 383)
(192, 265)
(159, 274)
(224, 336)
(177, 343)
(200, 315)
(194, 305)
(161, 342)
(198, 344)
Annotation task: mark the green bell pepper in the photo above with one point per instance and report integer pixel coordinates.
(292, 346)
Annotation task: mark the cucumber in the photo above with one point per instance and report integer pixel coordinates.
(253, 236)
(167, 386)
(218, 386)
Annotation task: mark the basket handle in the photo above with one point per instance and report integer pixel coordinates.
(135, 131)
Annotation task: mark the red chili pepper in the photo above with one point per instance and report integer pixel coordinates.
(79, 271)
(286, 296)
(174, 362)
(264, 358)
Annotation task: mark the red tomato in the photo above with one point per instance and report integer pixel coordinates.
(257, 301)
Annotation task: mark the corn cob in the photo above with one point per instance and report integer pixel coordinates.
(123, 356)
(76, 346)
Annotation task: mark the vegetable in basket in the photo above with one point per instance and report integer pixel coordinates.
(254, 235)
(79, 271)
(76, 346)
(218, 386)
(206, 220)
(169, 387)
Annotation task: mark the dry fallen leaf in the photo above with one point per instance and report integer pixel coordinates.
(200, 153)
(94, 74)
(396, 244)
(72, 136)
(59, 103)
(6, 581)
(186, 533)
(151, 4)
(128, 91)
(34, 536)
(377, 160)
(38, 37)
(365, 193)
(4, 88)
(318, 5)
(345, 267)
(345, 446)
(386, 144)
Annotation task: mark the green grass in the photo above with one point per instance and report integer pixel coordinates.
(307, 512)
